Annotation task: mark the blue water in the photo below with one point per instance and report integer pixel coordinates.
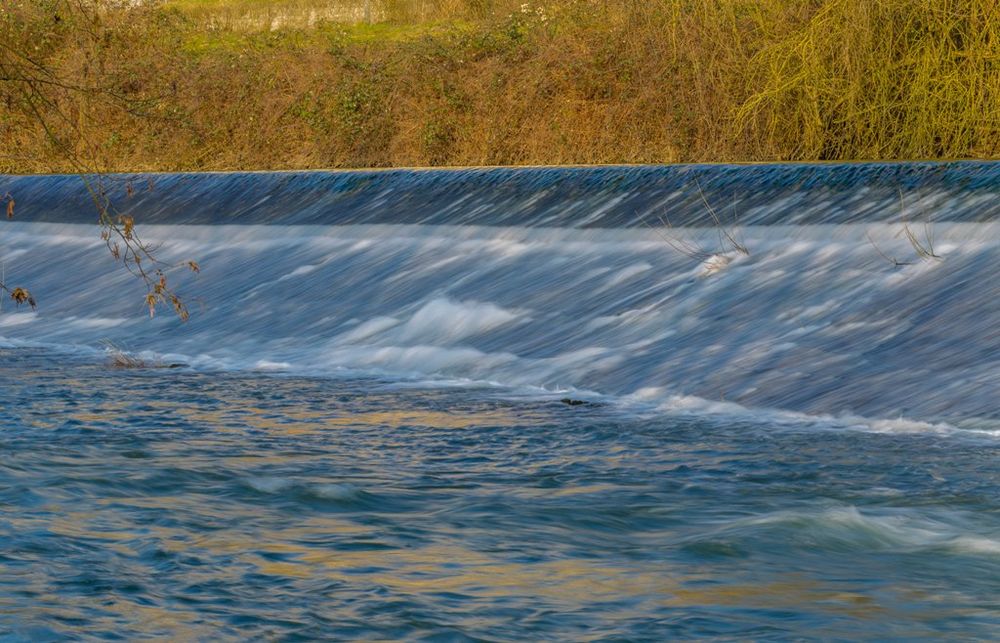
(204, 505)
(508, 405)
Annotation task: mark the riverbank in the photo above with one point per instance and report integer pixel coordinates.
(161, 88)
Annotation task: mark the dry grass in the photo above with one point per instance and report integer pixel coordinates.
(481, 82)
(119, 358)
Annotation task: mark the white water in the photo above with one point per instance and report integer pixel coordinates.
(814, 321)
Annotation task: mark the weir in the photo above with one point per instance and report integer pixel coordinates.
(620, 283)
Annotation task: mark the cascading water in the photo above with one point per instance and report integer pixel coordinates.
(636, 403)
(597, 279)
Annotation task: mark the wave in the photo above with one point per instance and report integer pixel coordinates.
(846, 528)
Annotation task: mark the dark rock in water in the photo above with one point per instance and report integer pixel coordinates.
(569, 401)
(177, 365)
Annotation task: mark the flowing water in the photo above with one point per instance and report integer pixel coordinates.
(509, 404)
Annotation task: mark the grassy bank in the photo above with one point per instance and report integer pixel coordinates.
(249, 84)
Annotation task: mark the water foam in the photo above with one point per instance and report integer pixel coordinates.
(799, 325)
(848, 528)
(814, 326)
(444, 321)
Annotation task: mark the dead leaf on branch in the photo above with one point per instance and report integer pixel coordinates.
(128, 226)
(128, 249)
(22, 296)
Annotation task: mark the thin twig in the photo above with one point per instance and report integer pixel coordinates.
(683, 247)
(724, 234)
(895, 262)
(925, 249)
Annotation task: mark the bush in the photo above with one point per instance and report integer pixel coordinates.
(205, 86)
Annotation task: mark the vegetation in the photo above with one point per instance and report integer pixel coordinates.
(251, 84)
(60, 105)
(120, 358)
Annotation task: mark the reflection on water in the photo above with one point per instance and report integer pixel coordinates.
(191, 505)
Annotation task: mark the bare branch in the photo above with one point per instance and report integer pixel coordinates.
(724, 234)
(683, 247)
(895, 262)
(925, 248)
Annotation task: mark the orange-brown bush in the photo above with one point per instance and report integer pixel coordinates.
(483, 82)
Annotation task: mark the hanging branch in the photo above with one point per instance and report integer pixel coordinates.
(37, 85)
(18, 294)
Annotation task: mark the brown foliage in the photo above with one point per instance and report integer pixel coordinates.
(487, 83)
(64, 103)
(21, 296)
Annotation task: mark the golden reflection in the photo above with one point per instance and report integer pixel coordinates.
(452, 567)
(314, 548)
(800, 593)
(298, 421)
(431, 419)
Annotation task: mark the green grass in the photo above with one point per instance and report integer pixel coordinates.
(204, 8)
(207, 43)
(233, 26)
(254, 15)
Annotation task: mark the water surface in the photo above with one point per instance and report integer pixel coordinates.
(182, 504)
(365, 436)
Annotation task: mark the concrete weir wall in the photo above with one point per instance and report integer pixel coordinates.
(574, 197)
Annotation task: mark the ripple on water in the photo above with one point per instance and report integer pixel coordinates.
(200, 505)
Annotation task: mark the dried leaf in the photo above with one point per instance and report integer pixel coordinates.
(10, 208)
(128, 225)
(193, 265)
(22, 296)
(179, 307)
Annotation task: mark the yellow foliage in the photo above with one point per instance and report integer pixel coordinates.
(22, 296)
(491, 82)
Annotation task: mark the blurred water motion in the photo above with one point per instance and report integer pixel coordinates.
(190, 505)
(510, 404)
